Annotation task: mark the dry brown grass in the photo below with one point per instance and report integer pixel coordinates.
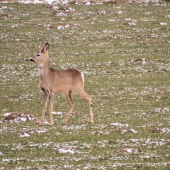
(97, 1)
(7, 1)
(159, 130)
(15, 116)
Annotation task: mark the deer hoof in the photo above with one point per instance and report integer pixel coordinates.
(64, 122)
(40, 123)
(51, 123)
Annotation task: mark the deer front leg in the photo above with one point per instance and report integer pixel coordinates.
(45, 97)
(51, 100)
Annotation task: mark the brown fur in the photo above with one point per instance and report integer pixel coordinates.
(59, 81)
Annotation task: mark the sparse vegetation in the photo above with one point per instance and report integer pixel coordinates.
(123, 50)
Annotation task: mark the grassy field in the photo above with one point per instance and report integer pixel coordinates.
(123, 50)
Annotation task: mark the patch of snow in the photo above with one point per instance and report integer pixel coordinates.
(19, 147)
(160, 110)
(88, 3)
(7, 114)
(119, 12)
(119, 124)
(129, 130)
(24, 135)
(57, 113)
(74, 127)
(134, 131)
(41, 2)
(128, 19)
(65, 150)
(100, 133)
(41, 131)
(111, 20)
(129, 150)
(163, 130)
(19, 117)
(46, 122)
(162, 23)
(131, 23)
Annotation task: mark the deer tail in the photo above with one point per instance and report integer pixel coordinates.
(82, 75)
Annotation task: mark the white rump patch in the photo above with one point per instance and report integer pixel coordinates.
(82, 76)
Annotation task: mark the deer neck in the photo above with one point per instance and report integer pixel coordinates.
(43, 69)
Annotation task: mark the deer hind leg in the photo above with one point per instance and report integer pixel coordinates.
(45, 98)
(51, 101)
(88, 99)
(71, 105)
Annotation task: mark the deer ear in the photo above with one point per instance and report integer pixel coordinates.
(44, 47)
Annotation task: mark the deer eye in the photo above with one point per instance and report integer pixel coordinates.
(38, 55)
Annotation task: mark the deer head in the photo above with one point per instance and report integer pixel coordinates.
(42, 55)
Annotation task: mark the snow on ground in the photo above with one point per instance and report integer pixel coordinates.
(65, 150)
(85, 2)
(41, 1)
(19, 117)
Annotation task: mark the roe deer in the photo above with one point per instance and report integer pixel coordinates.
(59, 81)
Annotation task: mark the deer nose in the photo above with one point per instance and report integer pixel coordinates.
(31, 59)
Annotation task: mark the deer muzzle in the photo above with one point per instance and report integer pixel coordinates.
(31, 60)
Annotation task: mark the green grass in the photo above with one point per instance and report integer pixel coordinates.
(107, 49)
